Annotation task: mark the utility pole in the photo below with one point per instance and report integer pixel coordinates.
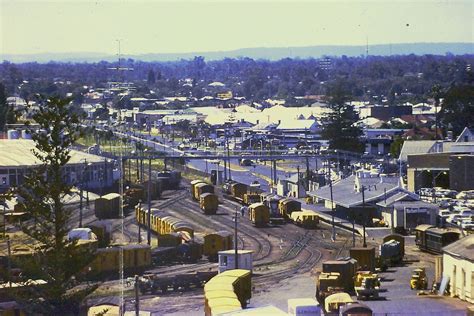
(137, 298)
(9, 263)
(139, 225)
(228, 155)
(332, 208)
(149, 203)
(307, 174)
(363, 217)
(80, 207)
(235, 239)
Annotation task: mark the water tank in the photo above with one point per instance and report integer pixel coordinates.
(25, 134)
(13, 134)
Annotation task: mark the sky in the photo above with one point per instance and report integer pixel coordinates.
(143, 27)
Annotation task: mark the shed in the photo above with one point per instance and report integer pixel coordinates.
(227, 260)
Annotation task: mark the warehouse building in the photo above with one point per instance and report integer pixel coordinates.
(458, 268)
(83, 170)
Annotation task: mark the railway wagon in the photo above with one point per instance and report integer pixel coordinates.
(305, 218)
(238, 190)
(103, 230)
(365, 258)
(133, 196)
(162, 223)
(107, 206)
(104, 310)
(155, 188)
(208, 202)
(215, 242)
(259, 214)
(171, 179)
(201, 188)
(288, 206)
(392, 249)
(193, 187)
(136, 258)
(433, 239)
(228, 291)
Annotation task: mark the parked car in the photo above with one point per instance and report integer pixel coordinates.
(465, 195)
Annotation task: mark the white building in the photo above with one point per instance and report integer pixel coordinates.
(86, 170)
(458, 266)
(227, 260)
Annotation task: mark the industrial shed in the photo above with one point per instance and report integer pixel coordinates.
(458, 267)
(405, 210)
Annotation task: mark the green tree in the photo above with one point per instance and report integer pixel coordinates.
(3, 107)
(457, 110)
(339, 125)
(396, 147)
(57, 260)
(151, 77)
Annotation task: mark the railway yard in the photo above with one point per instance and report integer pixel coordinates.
(287, 259)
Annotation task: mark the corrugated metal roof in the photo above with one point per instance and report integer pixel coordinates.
(297, 124)
(18, 153)
(344, 192)
(415, 147)
(463, 248)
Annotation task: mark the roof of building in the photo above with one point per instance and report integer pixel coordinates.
(463, 248)
(18, 153)
(415, 147)
(345, 194)
(297, 124)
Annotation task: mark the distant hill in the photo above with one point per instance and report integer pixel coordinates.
(270, 53)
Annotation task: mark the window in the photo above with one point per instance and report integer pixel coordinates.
(224, 261)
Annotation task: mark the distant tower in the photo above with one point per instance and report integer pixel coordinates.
(366, 47)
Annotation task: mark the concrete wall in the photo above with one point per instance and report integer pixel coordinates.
(461, 277)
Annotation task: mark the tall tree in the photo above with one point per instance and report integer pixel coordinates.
(151, 77)
(457, 110)
(339, 125)
(57, 260)
(3, 107)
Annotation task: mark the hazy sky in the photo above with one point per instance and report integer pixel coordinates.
(193, 26)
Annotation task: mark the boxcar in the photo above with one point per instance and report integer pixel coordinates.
(201, 188)
(155, 189)
(259, 214)
(193, 187)
(306, 218)
(238, 190)
(287, 206)
(107, 206)
(208, 202)
(215, 242)
(433, 239)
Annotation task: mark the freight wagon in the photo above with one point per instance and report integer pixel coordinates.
(259, 214)
(107, 206)
(208, 202)
(433, 239)
(288, 206)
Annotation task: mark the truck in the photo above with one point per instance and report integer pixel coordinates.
(366, 285)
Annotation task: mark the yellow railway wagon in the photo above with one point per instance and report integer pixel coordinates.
(259, 214)
(229, 290)
(104, 310)
(215, 242)
(288, 206)
(305, 218)
(193, 187)
(242, 283)
(201, 188)
(238, 190)
(208, 202)
(169, 240)
(136, 257)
